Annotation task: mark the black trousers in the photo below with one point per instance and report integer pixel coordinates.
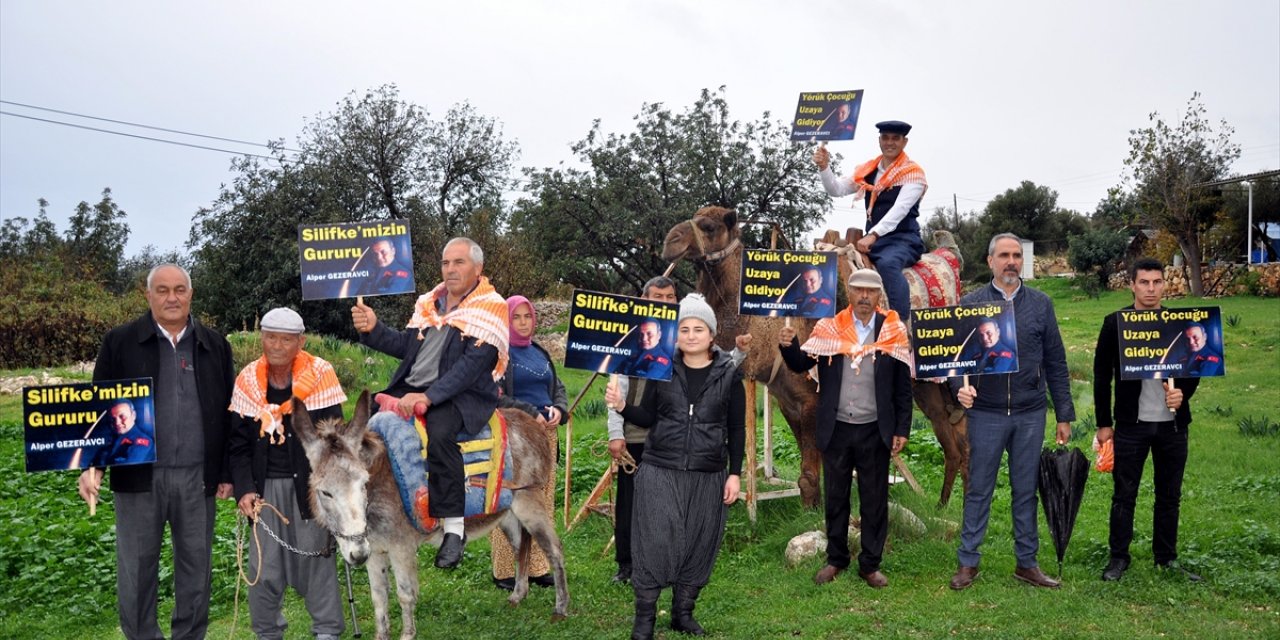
(856, 447)
(444, 462)
(1168, 447)
(622, 507)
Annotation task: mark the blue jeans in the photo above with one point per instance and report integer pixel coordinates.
(990, 435)
(891, 254)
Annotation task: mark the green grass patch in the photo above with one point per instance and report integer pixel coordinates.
(57, 565)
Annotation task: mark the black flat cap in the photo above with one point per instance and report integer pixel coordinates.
(894, 126)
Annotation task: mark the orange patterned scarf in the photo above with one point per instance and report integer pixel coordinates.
(482, 315)
(902, 171)
(837, 336)
(314, 382)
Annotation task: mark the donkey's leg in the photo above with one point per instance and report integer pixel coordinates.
(404, 560)
(519, 544)
(378, 566)
(542, 529)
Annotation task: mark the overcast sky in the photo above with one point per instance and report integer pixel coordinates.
(997, 92)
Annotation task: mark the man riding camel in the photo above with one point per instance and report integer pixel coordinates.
(892, 186)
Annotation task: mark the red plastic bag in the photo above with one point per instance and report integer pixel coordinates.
(1106, 459)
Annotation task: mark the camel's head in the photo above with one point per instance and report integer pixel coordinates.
(708, 232)
(340, 455)
(942, 239)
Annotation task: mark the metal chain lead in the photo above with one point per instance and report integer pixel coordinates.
(326, 552)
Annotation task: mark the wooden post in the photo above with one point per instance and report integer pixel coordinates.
(906, 473)
(568, 459)
(749, 469)
(769, 472)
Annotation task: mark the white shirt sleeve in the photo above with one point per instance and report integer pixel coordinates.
(908, 196)
(614, 422)
(834, 185)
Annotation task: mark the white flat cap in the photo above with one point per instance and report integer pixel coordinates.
(283, 320)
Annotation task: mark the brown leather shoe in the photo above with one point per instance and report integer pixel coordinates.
(1036, 578)
(875, 579)
(963, 578)
(827, 574)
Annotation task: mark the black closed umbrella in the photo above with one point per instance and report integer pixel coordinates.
(1062, 477)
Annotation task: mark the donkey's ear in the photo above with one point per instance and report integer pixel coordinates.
(360, 419)
(302, 425)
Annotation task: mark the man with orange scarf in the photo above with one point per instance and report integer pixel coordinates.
(453, 350)
(892, 186)
(269, 465)
(864, 413)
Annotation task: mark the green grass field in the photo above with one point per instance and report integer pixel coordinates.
(57, 564)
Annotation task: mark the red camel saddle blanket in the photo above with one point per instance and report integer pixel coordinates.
(485, 455)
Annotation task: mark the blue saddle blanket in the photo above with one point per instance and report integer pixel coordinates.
(404, 448)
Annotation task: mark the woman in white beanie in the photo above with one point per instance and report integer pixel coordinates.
(683, 489)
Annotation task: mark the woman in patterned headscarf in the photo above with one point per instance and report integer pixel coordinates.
(530, 379)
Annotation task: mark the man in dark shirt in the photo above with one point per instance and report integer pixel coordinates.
(996, 355)
(1151, 416)
(133, 443)
(455, 342)
(191, 368)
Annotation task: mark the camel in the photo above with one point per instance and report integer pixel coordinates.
(354, 496)
(711, 240)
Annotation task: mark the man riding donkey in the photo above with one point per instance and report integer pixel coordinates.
(451, 353)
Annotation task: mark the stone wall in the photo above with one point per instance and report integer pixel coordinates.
(1218, 280)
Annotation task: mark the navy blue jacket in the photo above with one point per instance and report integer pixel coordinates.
(893, 390)
(1042, 360)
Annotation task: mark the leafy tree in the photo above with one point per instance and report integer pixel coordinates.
(1167, 162)
(969, 235)
(1031, 211)
(1119, 210)
(95, 238)
(376, 157)
(1096, 251)
(1229, 234)
(603, 225)
(20, 237)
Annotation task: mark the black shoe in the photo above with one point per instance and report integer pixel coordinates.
(1115, 569)
(544, 580)
(623, 576)
(450, 554)
(506, 584)
(1175, 567)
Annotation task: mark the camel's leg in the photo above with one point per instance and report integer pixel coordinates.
(404, 562)
(936, 403)
(378, 585)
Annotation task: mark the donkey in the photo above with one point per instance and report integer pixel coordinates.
(354, 496)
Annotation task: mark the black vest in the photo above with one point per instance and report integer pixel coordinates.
(692, 434)
(884, 202)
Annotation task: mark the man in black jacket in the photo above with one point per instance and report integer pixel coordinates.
(191, 368)
(1007, 412)
(455, 341)
(1150, 416)
(863, 415)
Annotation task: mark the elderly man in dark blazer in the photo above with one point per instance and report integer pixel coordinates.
(863, 415)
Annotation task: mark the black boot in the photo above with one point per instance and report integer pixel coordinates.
(683, 598)
(646, 614)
